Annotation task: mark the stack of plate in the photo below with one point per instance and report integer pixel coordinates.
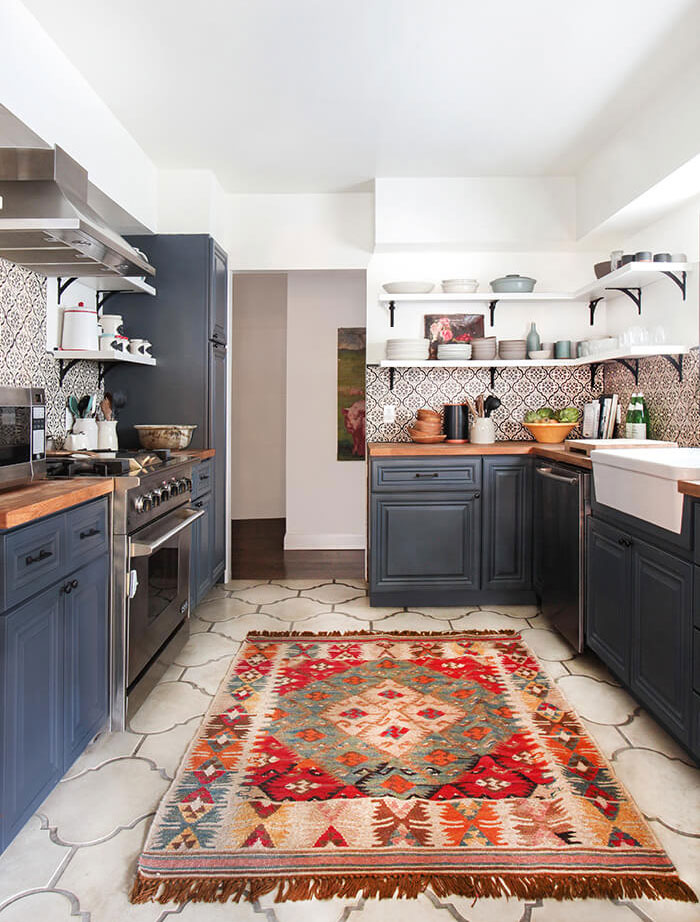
(484, 349)
(454, 352)
(407, 350)
(512, 349)
(459, 286)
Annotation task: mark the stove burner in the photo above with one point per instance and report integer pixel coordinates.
(108, 464)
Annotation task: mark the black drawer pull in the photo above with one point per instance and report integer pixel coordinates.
(625, 542)
(42, 555)
(199, 504)
(90, 533)
(434, 474)
(204, 476)
(69, 587)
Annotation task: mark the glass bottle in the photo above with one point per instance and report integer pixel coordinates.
(635, 427)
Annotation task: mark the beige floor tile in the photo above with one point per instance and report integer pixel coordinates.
(197, 626)
(332, 594)
(201, 648)
(662, 788)
(360, 608)
(516, 611)
(224, 609)
(606, 737)
(485, 621)
(96, 804)
(547, 645)
(172, 673)
(446, 613)
(483, 910)
(589, 664)
(553, 668)
(39, 907)
(355, 583)
(597, 701)
(167, 705)
(296, 609)
(167, 749)
(262, 595)
(30, 860)
(331, 621)
(409, 621)
(308, 910)
(217, 591)
(418, 910)
(107, 746)
(684, 852)
(102, 876)
(644, 732)
(222, 912)
(210, 675)
(582, 911)
(233, 585)
(297, 584)
(239, 628)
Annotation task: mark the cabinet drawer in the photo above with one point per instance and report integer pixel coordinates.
(414, 474)
(34, 558)
(201, 478)
(87, 532)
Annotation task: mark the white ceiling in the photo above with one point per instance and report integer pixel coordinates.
(323, 95)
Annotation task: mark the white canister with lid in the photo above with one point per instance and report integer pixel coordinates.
(112, 323)
(88, 427)
(107, 435)
(80, 331)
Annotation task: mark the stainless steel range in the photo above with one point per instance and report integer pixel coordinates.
(151, 520)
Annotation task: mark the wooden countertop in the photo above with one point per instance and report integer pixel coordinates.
(441, 450)
(202, 454)
(689, 488)
(17, 507)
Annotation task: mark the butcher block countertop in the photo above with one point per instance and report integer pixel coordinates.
(689, 488)
(441, 450)
(202, 454)
(17, 507)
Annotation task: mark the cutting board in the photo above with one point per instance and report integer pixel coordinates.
(586, 446)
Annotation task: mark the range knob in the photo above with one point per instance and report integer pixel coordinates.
(142, 503)
(182, 486)
(155, 495)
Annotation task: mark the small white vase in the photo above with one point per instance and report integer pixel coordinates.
(88, 427)
(482, 431)
(107, 435)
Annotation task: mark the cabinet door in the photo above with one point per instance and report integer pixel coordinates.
(608, 596)
(218, 304)
(217, 410)
(661, 628)
(200, 549)
(86, 669)
(507, 523)
(429, 540)
(31, 659)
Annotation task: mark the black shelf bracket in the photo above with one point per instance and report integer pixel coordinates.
(63, 369)
(592, 304)
(63, 284)
(634, 294)
(391, 378)
(632, 365)
(492, 310)
(677, 363)
(102, 297)
(594, 366)
(392, 308)
(680, 280)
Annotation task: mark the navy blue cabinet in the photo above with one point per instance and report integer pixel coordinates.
(507, 524)
(201, 574)
(53, 655)
(609, 585)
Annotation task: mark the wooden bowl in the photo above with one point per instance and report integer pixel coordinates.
(432, 427)
(549, 433)
(427, 414)
(425, 438)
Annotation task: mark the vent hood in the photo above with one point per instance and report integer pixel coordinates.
(47, 225)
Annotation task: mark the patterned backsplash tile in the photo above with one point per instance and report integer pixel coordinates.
(519, 389)
(674, 407)
(24, 360)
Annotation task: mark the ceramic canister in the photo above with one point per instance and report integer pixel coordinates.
(80, 328)
(111, 323)
(456, 422)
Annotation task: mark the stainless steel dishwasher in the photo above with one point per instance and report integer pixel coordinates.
(562, 504)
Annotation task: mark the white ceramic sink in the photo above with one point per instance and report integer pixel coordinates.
(644, 482)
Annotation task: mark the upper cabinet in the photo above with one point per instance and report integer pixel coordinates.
(218, 299)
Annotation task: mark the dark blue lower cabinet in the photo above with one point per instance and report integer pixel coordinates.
(507, 524)
(86, 639)
(31, 708)
(608, 595)
(201, 575)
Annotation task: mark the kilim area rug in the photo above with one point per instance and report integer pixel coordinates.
(383, 764)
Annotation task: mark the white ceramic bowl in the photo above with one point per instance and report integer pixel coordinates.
(173, 437)
(408, 288)
(460, 286)
(541, 354)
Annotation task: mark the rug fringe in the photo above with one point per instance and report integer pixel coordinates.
(409, 886)
(505, 632)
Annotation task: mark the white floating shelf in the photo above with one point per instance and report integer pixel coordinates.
(125, 284)
(86, 355)
(633, 275)
(632, 352)
(483, 297)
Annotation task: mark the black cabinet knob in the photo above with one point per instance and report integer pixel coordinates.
(477, 495)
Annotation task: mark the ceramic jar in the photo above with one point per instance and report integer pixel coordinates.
(483, 431)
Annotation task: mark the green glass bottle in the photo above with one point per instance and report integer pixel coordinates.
(635, 426)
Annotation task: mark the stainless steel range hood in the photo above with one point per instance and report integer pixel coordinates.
(47, 225)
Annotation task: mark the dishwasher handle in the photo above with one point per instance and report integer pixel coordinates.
(145, 549)
(550, 475)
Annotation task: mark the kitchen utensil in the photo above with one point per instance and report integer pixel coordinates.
(175, 437)
(490, 404)
(480, 405)
(107, 435)
(408, 288)
(662, 257)
(562, 349)
(82, 405)
(424, 439)
(88, 427)
(106, 407)
(73, 406)
(602, 269)
(456, 423)
(513, 283)
(80, 328)
(482, 431)
(549, 433)
(112, 323)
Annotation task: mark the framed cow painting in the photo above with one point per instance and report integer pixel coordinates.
(351, 393)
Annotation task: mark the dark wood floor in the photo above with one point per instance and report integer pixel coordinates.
(258, 552)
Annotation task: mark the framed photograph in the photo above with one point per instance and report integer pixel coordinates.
(351, 393)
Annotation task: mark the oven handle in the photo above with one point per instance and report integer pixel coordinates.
(550, 475)
(141, 549)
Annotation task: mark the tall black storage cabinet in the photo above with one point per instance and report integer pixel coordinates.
(186, 323)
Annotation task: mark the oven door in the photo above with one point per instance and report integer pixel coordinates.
(158, 586)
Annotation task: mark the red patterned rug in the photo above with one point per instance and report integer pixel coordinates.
(383, 764)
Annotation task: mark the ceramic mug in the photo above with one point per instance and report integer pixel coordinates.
(136, 346)
(107, 342)
(111, 323)
(483, 431)
(120, 343)
(562, 349)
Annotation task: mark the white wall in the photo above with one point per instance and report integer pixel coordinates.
(258, 389)
(43, 88)
(192, 202)
(325, 497)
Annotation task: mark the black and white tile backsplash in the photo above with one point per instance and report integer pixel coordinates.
(24, 360)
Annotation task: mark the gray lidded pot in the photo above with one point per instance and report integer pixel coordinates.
(513, 283)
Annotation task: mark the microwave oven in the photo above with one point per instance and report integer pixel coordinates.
(22, 435)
